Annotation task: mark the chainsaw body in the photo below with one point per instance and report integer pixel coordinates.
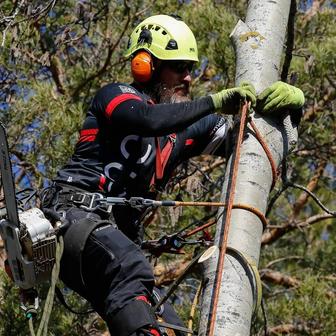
(30, 248)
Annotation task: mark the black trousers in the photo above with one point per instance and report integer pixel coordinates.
(114, 269)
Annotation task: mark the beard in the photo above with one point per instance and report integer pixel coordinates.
(164, 95)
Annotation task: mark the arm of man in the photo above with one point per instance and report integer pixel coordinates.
(208, 135)
(125, 108)
(143, 119)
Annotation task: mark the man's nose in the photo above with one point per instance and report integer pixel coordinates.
(187, 76)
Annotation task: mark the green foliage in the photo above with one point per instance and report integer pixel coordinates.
(12, 321)
(52, 61)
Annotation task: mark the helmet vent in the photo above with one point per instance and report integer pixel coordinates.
(164, 32)
(145, 36)
(157, 28)
(172, 45)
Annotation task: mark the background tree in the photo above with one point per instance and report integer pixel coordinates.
(56, 54)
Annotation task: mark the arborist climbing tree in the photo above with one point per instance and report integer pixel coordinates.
(54, 57)
(132, 139)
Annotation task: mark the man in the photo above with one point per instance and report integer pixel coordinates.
(132, 139)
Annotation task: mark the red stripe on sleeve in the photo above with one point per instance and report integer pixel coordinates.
(88, 135)
(189, 142)
(118, 100)
(90, 131)
(102, 181)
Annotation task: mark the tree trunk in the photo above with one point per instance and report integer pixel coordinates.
(258, 45)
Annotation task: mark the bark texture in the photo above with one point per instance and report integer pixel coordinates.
(258, 45)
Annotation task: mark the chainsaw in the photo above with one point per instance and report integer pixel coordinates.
(29, 238)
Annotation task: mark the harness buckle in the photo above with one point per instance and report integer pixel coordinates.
(87, 201)
(78, 198)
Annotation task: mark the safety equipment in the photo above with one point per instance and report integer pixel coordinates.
(142, 66)
(228, 101)
(280, 96)
(166, 37)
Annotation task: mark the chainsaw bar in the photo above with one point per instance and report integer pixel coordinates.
(7, 179)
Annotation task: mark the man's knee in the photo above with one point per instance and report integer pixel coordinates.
(135, 319)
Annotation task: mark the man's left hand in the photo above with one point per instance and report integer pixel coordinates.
(280, 96)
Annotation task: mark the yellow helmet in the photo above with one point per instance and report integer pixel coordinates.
(166, 37)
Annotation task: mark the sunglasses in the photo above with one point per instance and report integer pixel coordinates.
(180, 67)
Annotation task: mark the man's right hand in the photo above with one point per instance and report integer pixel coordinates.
(228, 101)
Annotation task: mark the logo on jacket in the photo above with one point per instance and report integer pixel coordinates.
(126, 89)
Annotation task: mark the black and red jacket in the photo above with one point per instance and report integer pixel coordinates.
(128, 144)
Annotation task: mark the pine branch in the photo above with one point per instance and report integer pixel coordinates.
(312, 111)
(110, 52)
(278, 278)
(311, 186)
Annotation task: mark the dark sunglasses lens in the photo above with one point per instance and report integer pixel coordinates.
(181, 67)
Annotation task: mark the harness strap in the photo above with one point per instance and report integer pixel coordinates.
(74, 242)
(82, 199)
(161, 157)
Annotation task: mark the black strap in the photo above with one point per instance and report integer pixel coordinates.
(74, 242)
(134, 316)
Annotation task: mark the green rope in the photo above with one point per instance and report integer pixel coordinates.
(43, 327)
(31, 327)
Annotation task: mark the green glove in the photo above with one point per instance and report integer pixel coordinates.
(280, 96)
(228, 101)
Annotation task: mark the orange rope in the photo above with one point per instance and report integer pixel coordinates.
(231, 193)
(201, 228)
(250, 208)
(267, 152)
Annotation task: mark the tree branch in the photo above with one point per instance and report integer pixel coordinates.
(302, 199)
(289, 329)
(278, 278)
(110, 52)
(314, 109)
(167, 273)
(273, 235)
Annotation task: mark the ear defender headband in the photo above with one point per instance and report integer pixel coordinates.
(142, 66)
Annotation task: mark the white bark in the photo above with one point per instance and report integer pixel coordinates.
(258, 44)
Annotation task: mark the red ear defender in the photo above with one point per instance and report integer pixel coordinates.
(142, 67)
